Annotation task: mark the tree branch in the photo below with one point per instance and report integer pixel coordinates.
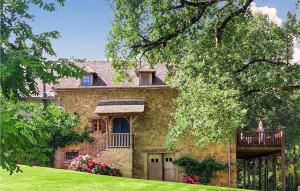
(220, 29)
(280, 89)
(182, 28)
(260, 60)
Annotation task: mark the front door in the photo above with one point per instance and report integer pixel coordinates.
(155, 167)
(121, 125)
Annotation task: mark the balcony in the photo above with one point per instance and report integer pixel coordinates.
(119, 140)
(257, 149)
(252, 144)
(250, 138)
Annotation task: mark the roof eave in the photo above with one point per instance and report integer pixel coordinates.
(114, 88)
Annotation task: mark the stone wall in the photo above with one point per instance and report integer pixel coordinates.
(149, 128)
(120, 157)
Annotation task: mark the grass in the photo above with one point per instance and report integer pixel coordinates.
(49, 179)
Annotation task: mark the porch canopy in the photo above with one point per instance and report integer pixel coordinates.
(120, 106)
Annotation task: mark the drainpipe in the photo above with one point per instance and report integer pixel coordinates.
(229, 164)
(44, 95)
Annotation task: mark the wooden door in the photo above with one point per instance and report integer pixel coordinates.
(155, 167)
(169, 171)
(121, 125)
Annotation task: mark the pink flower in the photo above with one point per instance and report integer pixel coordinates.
(91, 162)
(105, 164)
(191, 179)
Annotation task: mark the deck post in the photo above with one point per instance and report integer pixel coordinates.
(266, 173)
(283, 162)
(253, 173)
(248, 173)
(244, 173)
(259, 174)
(274, 173)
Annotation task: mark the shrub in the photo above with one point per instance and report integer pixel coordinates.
(201, 169)
(85, 163)
(191, 179)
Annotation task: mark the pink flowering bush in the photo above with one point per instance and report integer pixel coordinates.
(191, 179)
(85, 163)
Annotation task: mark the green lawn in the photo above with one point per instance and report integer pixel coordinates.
(46, 179)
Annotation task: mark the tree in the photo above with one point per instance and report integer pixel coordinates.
(230, 65)
(219, 55)
(31, 134)
(23, 53)
(293, 142)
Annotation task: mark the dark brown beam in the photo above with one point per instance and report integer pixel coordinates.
(248, 173)
(259, 174)
(244, 174)
(266, 173)
(253, 174)
(274, 173)
(283, 163)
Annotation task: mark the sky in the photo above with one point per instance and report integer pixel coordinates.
(84, 25)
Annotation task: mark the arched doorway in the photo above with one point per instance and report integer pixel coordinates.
(120, 125)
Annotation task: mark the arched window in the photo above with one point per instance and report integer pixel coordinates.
(121, 125)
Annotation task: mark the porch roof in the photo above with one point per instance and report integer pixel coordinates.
(120, 106)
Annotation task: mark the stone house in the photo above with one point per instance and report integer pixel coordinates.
(129, 122)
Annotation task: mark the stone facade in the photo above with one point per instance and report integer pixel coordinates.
(148, 128)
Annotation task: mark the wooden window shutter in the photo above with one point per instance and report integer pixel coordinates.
(102, 126)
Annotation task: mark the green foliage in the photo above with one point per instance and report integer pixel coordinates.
(204, 169)
(23, 53)
(31, 134)
(227, 80)
(203, 109)
(225, 84)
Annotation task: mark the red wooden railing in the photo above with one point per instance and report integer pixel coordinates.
(119, 140)
(252, 138)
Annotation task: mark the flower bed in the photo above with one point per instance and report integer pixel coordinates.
(86, 163)
(191, 179)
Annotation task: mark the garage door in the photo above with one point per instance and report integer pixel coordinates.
(155, 167)
(160, 167)
(169, 172)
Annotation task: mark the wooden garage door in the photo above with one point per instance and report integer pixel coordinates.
(169, 168)
(155, 167)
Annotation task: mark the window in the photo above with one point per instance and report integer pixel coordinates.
(154, 159)
(86, 80)
(71, 155)
(99, 125)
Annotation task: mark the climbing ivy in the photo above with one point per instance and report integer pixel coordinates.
(204, 168)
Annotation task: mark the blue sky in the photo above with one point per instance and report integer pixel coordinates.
(84, 25)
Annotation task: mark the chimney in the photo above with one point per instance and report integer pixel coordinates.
(146, 77)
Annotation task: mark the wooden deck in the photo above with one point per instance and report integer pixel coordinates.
(251, 144)
(257, 150)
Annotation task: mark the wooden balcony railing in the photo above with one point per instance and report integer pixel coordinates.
(117, 140)
(252, 138)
